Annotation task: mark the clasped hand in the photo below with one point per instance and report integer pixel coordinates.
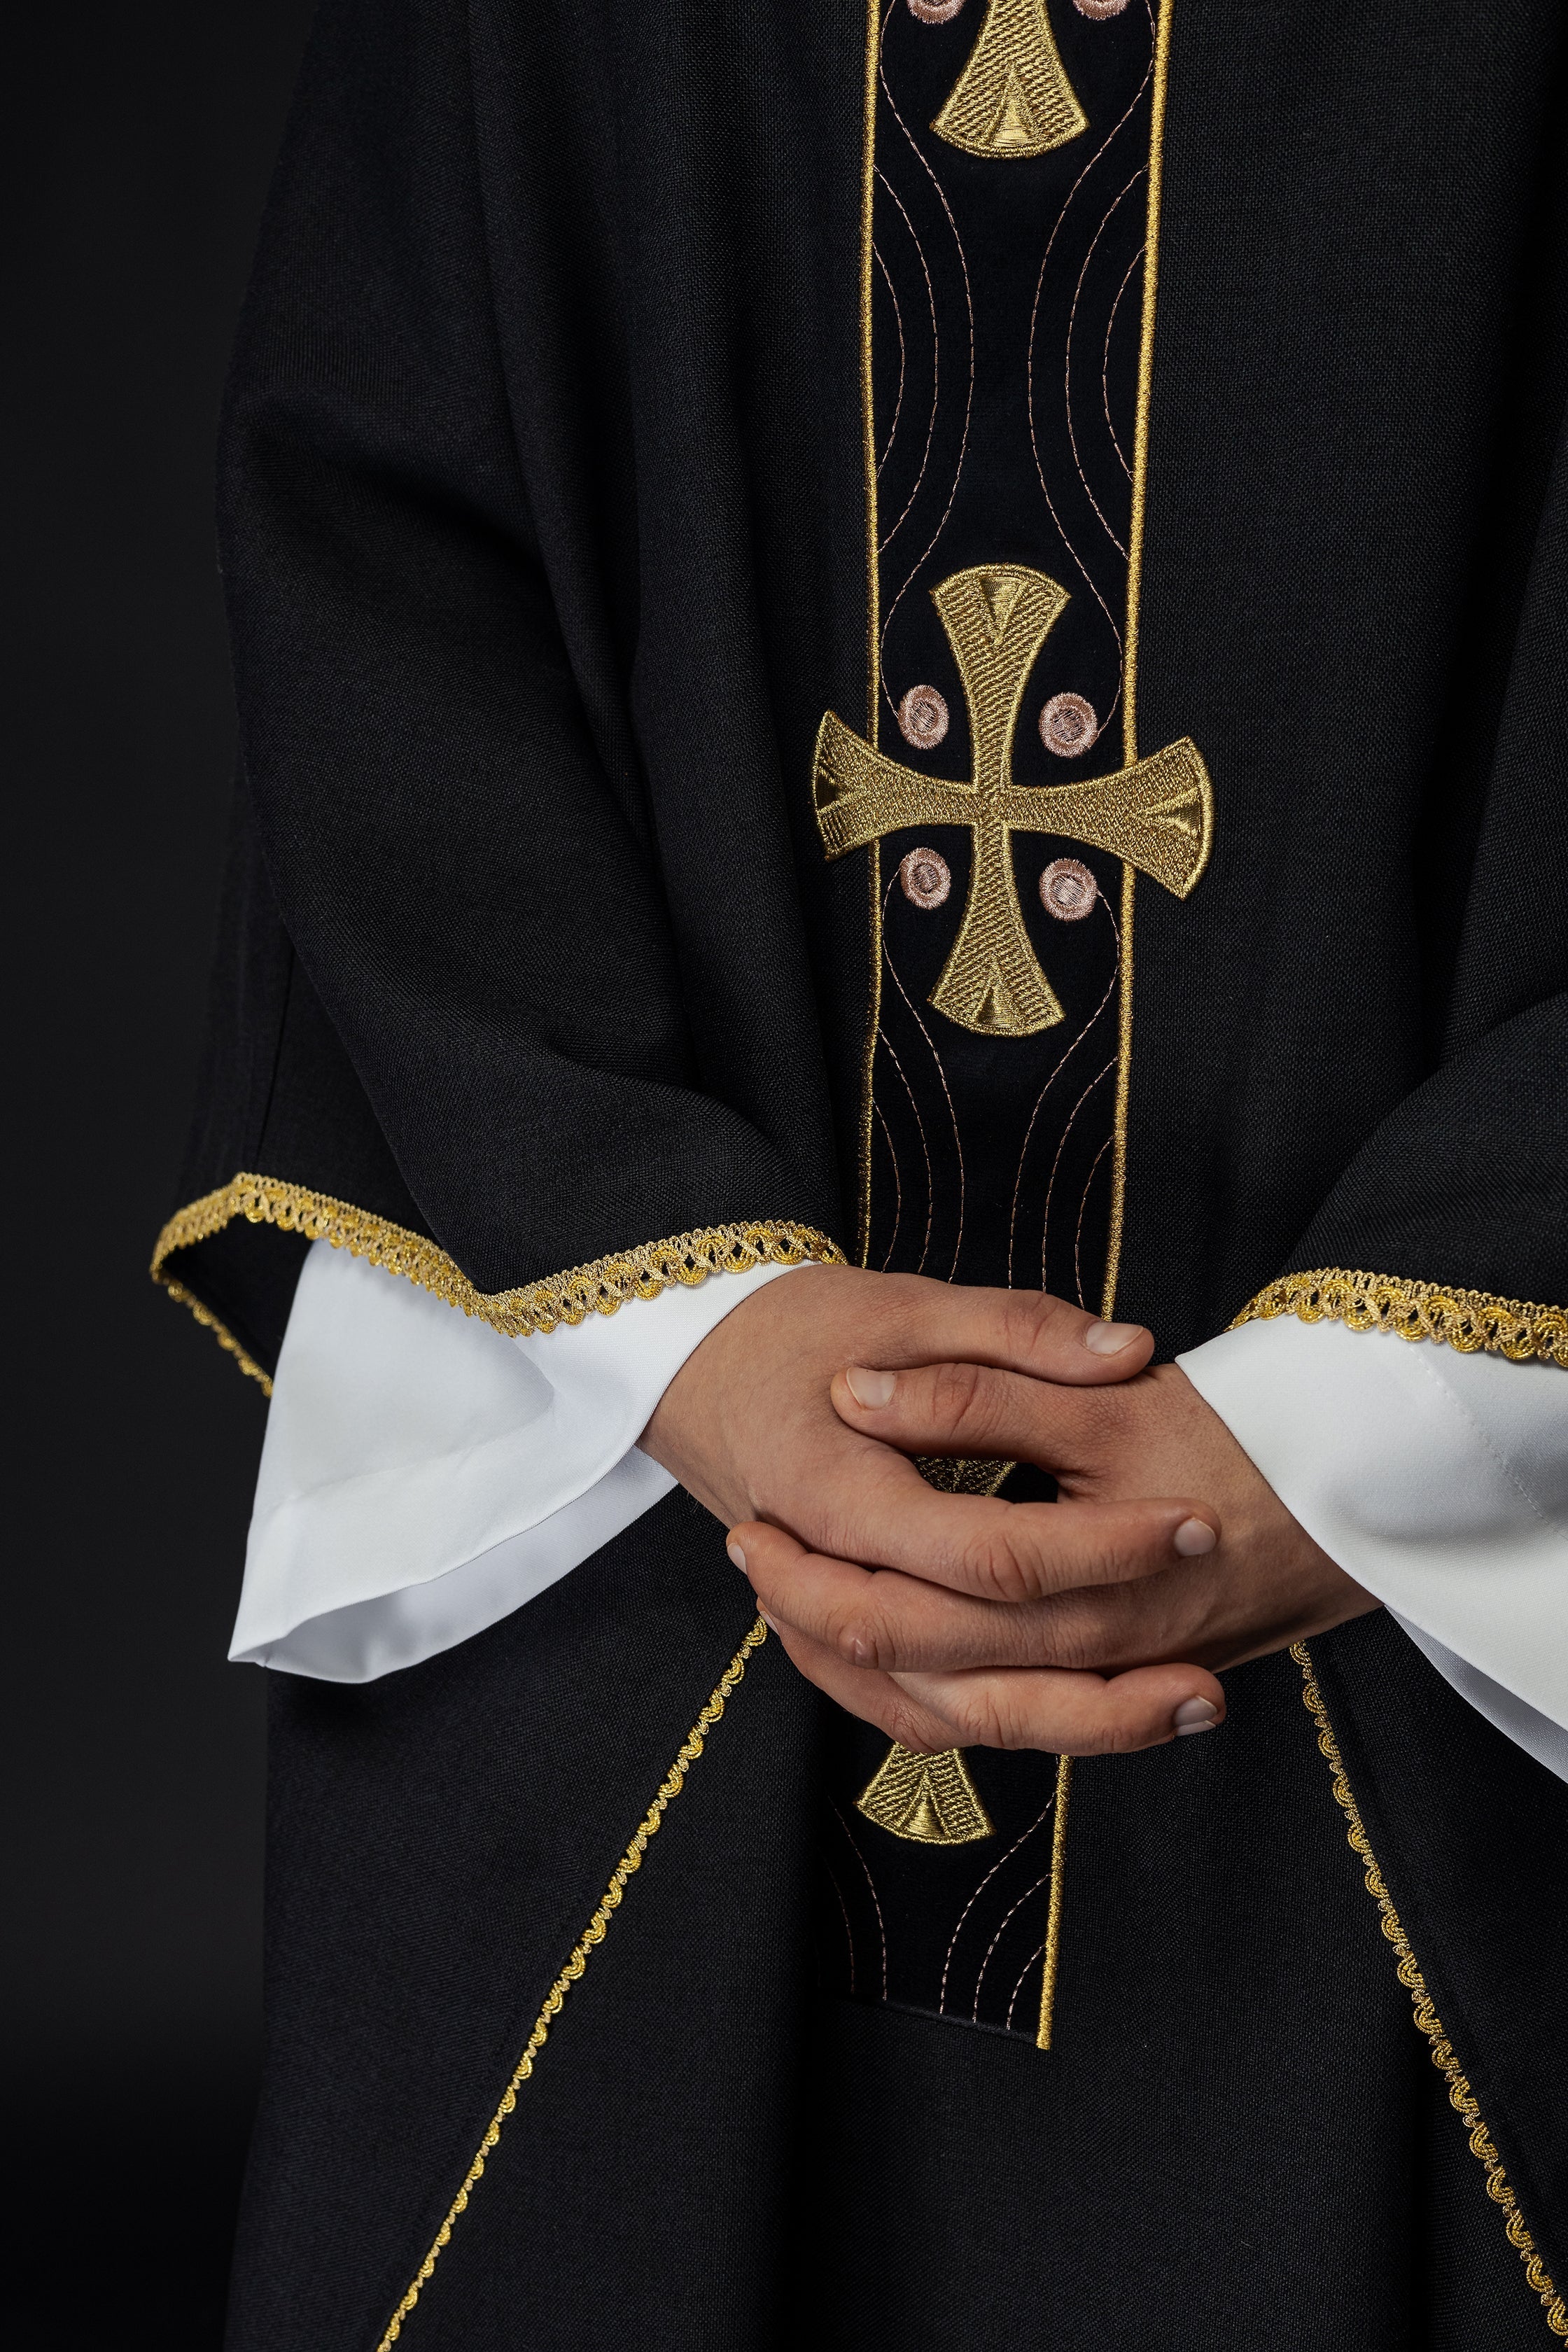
(1094, 1622)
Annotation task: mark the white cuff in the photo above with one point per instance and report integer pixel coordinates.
(423, 1475)
(1438, 1481)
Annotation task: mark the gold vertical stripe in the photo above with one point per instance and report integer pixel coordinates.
(1134, 598)
(868, 411)
(1460, 2096)
(594, 1934)
(1145, 375)
(1054, 1916)
(1123, 1094)
(873, 606)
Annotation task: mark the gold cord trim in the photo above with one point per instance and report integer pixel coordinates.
(873, 610)
(222, 1334)
(1460, 2097)
(1054, 1916)
(1130, 678)
(601, 1288)
(592, 1934)
(1466, 1320)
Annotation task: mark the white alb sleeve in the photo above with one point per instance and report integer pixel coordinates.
(423, 1475)
(1438, 1481)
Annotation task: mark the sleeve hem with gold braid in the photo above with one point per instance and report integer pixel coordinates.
(1467, 1321)
(601, 1287)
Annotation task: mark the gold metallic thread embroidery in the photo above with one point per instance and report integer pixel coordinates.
(1054, 1916)
(1466, 1320)
(873, 609)
(600, 1288)
(1013, 97)
(1157, 814)
(594, 1934)
(1130, 677)
(1460, 2097)
(221, 1333)
(930, 1799)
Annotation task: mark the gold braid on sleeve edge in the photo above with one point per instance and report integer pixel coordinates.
(1460, 2096)
(600, 1288)
(1467, 1321)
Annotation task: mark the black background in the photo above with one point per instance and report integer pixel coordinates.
(136, 147)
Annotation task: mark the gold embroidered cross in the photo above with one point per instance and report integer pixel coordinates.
(1156, 815)
(1013, 99)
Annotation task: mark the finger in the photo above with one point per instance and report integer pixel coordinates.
(886, 1517)
(1070, 1714)
(875, 1697)
(1056, 1711)
(914, 1321)
(977, 1410)
(896, 1624)
(861, 1691)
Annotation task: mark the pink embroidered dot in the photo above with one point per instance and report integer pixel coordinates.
(940, 12)
(922, 718)
(1067, 889)
(1068, 725)
(925, 878)
(1097, 9)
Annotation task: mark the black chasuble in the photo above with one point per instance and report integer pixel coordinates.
(936, 635)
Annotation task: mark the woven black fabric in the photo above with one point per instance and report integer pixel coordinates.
(543, 530)
(543, 526)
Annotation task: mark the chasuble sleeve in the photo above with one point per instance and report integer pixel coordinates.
(429, 528)
(424, 1476)
(1452, 1217)
(1438, 1480)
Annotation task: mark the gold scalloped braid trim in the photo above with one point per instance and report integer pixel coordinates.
(221, 1333)
(1460, 2097)
(1467, 1320)
(593, 1935)
(600, 1288)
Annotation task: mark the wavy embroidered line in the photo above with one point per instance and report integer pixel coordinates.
(969, 399)
(1067, 376)
(935, 361)
(1460, 2097)
(1466, 1320)
(1102, 149)
(1105, 362)
(899, 323)
(941, 1074)
(593, 1935)
(953, 1941)
(925, 1149)
(1102, 901)
(600, 1288)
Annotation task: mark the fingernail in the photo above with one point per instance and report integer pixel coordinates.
(736, 1554)
(1194, 1715)
(767, 1620)
(868, 1387)
(1110, 1339)
(1193, 1537)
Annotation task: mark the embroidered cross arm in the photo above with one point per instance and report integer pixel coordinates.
(861, 795)
(1156, 815)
